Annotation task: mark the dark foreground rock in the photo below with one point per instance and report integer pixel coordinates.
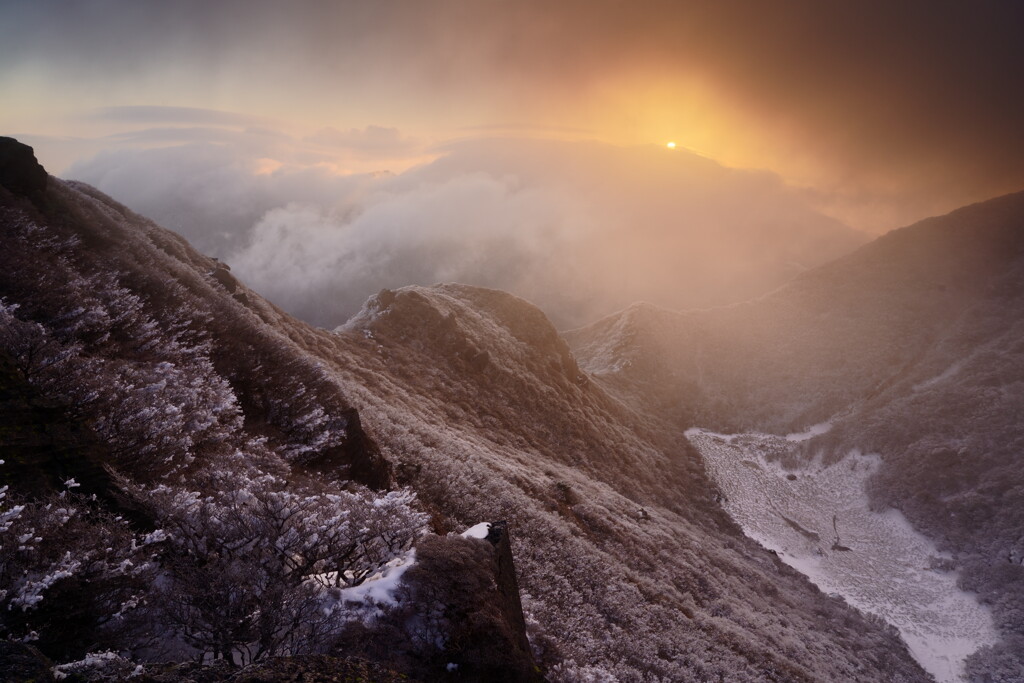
(459, 616)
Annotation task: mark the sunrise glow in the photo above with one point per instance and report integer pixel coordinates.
(719, 304)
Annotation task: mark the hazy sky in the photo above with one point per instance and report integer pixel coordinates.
(875, 112)
(868, 101)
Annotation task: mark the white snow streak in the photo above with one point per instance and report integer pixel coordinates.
(810, 432)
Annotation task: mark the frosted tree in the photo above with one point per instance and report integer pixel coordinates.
(249, 569)
(71, 575)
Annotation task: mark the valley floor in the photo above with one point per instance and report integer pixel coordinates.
(819, 521)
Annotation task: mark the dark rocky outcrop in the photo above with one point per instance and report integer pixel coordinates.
(459, 616)
(20, 172)
(222, 274)
(508, 585)
(358, 458)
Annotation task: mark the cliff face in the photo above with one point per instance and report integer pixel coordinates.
(508, 585)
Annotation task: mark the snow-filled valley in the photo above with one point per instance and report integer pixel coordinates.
(819, 521)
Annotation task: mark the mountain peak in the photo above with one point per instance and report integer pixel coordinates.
(20, 171)
(475, 324)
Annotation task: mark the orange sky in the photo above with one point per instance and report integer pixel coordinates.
(883, 111)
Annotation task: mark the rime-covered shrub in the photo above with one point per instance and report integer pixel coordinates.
(207, 415)
(71, 576)
(148, 388)
(247, 570)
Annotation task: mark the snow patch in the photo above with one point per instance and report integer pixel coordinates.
(810, 432)
(479, 531)
(819, 521)
(380, 588)
(101, 665)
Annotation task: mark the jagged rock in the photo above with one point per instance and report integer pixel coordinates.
(459, 615)
(366, 464)
(20, 172)
(508, 585)
(225, 278)
(358, 458)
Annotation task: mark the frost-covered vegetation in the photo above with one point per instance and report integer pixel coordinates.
(227, 545)
(231, 473)
(629, 569)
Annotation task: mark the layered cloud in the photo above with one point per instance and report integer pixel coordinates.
(581, 229)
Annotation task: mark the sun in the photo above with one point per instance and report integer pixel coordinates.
(671, 145)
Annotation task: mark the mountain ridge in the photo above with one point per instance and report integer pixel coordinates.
(828, 306)
(909, 348)
(627, 566)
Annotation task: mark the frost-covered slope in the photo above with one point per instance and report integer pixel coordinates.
(628, 568)
(258, 507)
(911, 346)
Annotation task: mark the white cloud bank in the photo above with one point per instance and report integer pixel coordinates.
(580, 229)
